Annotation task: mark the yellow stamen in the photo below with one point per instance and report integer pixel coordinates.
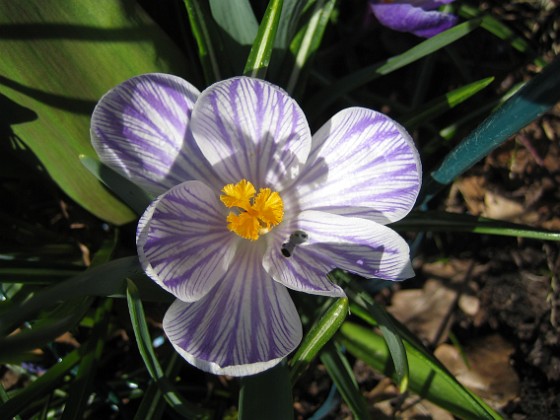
(258, 214)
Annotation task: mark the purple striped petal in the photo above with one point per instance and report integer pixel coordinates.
(250, 129)
(417, 20)
(362, 164)
(183, 243)
(360, 246)
(140, 129)
(246, 325)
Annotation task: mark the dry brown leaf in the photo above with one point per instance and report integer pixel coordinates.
(489, 373)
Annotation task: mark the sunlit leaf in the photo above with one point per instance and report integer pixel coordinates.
(528, 103)
(58, 59)
(428, 378)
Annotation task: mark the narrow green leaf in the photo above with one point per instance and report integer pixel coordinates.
(200, 21)
(41, 386)
(308, 40)
(144, 341)
(428, 378)
(105, 280)
(82, 386)
(341, 373)
(237, 27)
(499, 29)
(439, 221)
(35, 275)
(320, 333)
(58, 59)
(385, 323)
(359, 78)
(261, 51)
(439, 105)
(131, 194)
(267, 395)
(63, 318)
(153, 404)
(531, 101)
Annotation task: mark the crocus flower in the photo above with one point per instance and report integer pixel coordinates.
(249, 205)
(415, 16)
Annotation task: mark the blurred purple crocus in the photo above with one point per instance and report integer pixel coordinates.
(418, 17)
(249, 205)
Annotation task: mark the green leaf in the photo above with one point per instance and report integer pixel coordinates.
(261, 51)
(341, 373)
(439, 221)
(383, 320)
(53, 324)
(267, 395)
(104, 280)
(201, 28)
(439, 105)
(320, 333)
(83, 384)
(359, 78)
(131, 194)
(238, 28)
(428, 378)
(144, 341)
(41, 386)
(528, 103)
(58, 59)
(308, 40)
(499, 29)
(153, 404)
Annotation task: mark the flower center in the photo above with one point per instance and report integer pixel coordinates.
(257, 214)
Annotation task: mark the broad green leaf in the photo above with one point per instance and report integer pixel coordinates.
(131, 194)
(41, 386)
(58, 59)
(343, 377)
(201, 28)
(320, 333)
(143, 339)
(267, 395)
(309, 38)
(261, 51)
(528, 103)
(439, 105)
(359, 78)
(439, 221)
(428, 377)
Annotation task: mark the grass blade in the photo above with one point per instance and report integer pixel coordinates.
(353, 81)
(439, 221)
(144, 341)
(261, 51)
(341, 373)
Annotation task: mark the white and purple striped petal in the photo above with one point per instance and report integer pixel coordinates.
(141, 129)
(360, 246)
(247, 324)
(183, 243)
(362, 164)
(250, 129)
(416, 17)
